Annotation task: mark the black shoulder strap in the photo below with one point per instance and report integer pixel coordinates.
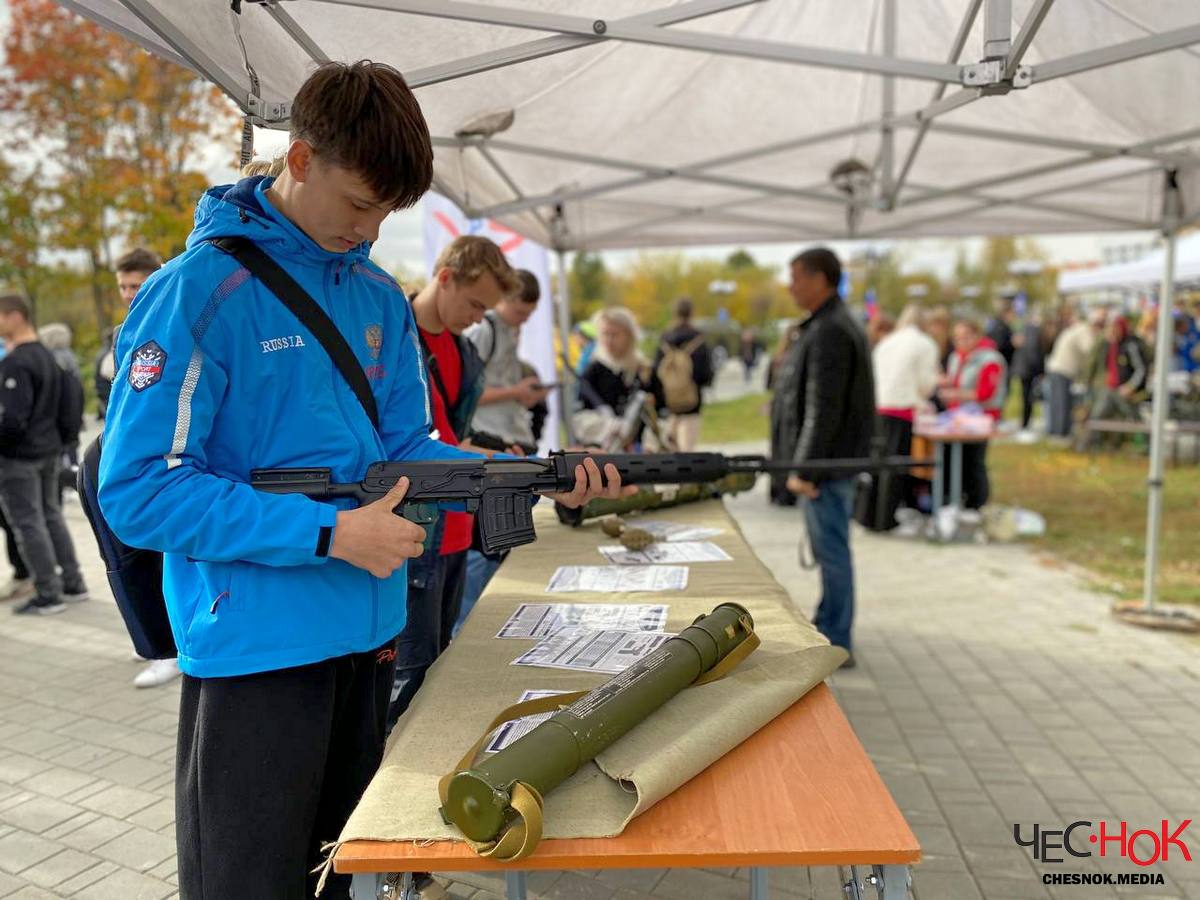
(304, 308)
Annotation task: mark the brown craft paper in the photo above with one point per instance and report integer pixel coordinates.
(474, 680)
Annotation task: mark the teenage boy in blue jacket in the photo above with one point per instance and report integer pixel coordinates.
(285, 610)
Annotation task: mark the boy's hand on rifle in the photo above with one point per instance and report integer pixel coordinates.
(589, 485)
(374, 538)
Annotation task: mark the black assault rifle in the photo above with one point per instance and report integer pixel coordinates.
(500, 491)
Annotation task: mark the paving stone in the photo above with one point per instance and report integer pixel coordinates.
(73, 824)
(88, 877)
(688, 884)
(40, 814)
(125, 885)
(928, 885)
(57, 782)
(133, 771)
(16, 767)
(485, 881)
(155, 817)
(165, 870)
(99, 831)
(59, 868)
(19, 850)
(573, 886)
(1012, 888)
(638, 880)
(9, 884)
(34, 741)
(120, 801)
(29, 892)
(138, 849)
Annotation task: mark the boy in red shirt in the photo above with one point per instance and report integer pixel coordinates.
(470, 277)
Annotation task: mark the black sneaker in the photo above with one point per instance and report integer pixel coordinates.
(41, 606)
(75, 593)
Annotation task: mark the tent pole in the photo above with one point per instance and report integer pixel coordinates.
(564, 335)
(1164, 343)
(997, 28)
(887, 142)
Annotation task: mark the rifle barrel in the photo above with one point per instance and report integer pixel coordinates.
(848, 466)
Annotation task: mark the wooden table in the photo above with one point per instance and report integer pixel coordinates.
(799, 792)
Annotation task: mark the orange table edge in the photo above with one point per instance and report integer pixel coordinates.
(799, 792)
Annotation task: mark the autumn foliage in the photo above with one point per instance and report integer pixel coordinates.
(104, 143)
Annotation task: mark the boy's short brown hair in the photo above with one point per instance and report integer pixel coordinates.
(530, 291)
(363, 117)
(139, 259)
(10, 303)
(470, 257)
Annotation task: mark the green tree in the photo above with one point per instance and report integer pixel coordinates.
(588, 283)
(740, 259)
(20, 232)
(119, 130)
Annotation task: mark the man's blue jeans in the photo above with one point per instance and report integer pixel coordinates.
(828, 520)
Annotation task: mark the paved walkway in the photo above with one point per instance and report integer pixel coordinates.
(992, 689)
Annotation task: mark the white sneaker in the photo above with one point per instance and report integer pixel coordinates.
(18, 589)
(158, 671)
(1027, 437)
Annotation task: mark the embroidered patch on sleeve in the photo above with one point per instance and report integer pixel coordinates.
(147, 368)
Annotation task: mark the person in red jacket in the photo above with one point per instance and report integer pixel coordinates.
(976, 374)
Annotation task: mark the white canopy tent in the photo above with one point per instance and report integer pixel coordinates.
(1139, 274)
(667, 123)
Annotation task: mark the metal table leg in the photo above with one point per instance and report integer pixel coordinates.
(891, 882)
(956, 453)
(514, 886)
(758, 884)
(366, 885)
(935, 499)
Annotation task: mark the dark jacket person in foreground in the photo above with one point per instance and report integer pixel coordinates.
(824, 408)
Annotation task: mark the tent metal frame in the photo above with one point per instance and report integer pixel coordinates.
(1002, 51)
(999, 70)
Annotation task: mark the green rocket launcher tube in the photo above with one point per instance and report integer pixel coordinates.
(482, 799)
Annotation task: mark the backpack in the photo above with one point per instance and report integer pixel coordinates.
(135, 575)
(674, 372)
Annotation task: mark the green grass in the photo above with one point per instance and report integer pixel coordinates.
(731, 421)
(1095, 508)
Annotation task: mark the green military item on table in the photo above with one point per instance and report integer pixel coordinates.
(497, 802)
(656, 497)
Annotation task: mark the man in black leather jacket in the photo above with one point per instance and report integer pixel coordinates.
(824, 408)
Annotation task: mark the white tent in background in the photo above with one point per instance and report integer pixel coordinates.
(627, 123)
(1137, 275)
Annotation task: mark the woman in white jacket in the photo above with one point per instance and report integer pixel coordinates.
(906, 375)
